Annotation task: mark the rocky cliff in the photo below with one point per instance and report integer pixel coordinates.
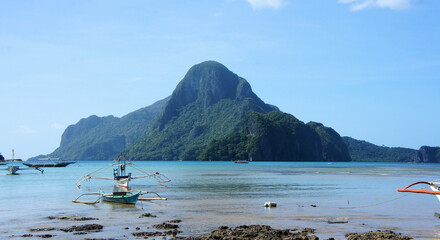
(278, 136)
(428, 155)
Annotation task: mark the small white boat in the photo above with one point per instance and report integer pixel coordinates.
(241, 161)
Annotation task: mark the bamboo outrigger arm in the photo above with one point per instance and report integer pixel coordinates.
(87, 202)
(142, 176)
(431, 184)
(152, 198)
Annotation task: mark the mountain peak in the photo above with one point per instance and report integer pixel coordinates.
(211, 81)
(207, 83)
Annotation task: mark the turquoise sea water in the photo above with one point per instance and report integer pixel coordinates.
(205, 195)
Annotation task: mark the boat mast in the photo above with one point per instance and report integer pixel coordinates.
(122, 166)
(119, 170)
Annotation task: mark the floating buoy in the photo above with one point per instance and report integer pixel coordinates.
(270, 204)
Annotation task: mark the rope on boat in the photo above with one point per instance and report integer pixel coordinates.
(88, 176)
(148, 173)
(160, 177)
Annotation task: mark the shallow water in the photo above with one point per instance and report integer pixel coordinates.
(205, 195)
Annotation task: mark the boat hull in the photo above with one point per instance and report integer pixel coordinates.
(13, 170)
(61, 164)
(128, 198)
(434, 187)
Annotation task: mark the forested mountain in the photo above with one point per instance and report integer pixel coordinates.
(213, 114)
(102, 138)
(209, 103)
(278, 136)
(362, 151)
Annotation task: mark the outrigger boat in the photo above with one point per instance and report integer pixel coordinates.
(121, 192)
(47, 162)
(13, 170)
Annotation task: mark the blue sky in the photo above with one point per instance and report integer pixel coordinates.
(370, 69)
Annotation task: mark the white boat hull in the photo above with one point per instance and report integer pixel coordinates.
(435, 188)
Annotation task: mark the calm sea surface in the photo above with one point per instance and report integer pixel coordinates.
(205, 195)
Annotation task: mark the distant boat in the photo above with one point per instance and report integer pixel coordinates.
(14, 169)
(47, 162)
(241, 161)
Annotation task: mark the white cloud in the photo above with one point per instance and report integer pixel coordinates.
(27, 130)
(356, 5)
(58, 126)
(266, 3)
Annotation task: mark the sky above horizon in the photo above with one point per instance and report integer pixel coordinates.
(370, 69)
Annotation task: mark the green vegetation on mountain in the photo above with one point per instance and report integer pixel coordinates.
(362, 151)
(278, 136)
(102, 138)
(209, 103)
(334, 148)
